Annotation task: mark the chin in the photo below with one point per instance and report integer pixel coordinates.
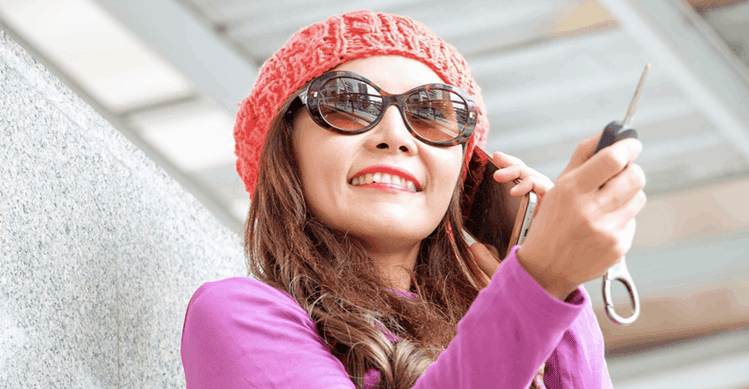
(400, 232)
(390, 223)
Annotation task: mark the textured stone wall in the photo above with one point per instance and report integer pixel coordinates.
(100, 250)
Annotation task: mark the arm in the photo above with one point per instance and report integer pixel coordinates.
(591, 225)
(509, 331)
(578, 361)
(241, 333)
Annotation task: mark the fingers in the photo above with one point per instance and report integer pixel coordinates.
(628, 236)
(589, 221)
(510, 173)
(504, 160)
(513, 168)
(618, 227)
(540, 185)
(627, 212)
(583, 152)
(619, 201)
(624, 236)
(607, 163)
(485, 259)
(621, 188)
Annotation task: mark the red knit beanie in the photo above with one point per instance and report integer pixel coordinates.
(327, 44)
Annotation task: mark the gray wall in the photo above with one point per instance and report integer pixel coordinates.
(100, 250)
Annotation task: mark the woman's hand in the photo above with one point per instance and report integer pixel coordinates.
(510, 169)
(587, 223)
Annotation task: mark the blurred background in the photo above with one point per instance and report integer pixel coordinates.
(169, 75)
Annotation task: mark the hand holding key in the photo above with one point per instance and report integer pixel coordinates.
(619, 272)
(587, 222)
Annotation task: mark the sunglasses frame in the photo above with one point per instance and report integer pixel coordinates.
(309, 97)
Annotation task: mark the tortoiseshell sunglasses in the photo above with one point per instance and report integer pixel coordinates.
(348, 103)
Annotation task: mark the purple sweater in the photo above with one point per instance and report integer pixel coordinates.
(242, 333)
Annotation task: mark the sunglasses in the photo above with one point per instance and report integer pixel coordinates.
(348, 103)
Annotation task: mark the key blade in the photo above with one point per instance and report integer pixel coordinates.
(635, 99)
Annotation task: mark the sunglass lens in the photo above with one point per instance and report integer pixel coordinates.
(349, 104)
(439, 115)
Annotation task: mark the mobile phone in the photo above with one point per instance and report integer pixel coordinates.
(490, 214)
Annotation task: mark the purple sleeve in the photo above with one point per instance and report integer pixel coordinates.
(578, 360)
(241, 333)
(510, 330)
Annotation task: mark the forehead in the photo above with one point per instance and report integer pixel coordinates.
(393, 73)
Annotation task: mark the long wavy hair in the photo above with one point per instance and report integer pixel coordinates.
(365, 324)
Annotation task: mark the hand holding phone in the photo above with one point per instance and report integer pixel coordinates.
(494, 213)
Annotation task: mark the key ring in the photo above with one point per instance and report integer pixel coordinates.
(620, 273)
(611, 134)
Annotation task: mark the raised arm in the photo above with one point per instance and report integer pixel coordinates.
(510, 330)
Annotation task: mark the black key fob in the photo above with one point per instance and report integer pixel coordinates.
(613, 133)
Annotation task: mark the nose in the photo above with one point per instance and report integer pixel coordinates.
(392, 134)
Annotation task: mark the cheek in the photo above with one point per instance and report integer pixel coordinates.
(316, 169)
(311, 148)
(309, 169)
(447, 166)
(321, 161)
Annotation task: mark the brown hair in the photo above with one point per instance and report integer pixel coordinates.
(291, 250)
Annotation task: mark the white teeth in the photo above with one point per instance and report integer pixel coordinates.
(385, 179)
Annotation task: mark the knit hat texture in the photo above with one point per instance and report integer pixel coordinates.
(322, 46)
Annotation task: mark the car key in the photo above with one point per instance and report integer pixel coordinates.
(614, 132)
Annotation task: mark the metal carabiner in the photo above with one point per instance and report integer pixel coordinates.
(611, 134)
(619, 272)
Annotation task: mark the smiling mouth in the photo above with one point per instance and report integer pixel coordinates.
(387, 179)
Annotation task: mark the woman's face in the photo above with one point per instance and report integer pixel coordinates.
(388, 216)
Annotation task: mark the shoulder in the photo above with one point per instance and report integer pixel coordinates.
(240, 332)
(238, 290)
(225, 301)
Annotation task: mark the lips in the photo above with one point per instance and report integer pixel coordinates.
(386, 175)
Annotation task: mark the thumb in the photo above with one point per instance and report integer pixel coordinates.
(583, 152)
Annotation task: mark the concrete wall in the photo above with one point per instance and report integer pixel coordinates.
(100, 250)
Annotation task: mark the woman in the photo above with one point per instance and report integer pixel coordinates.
(361, 280)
